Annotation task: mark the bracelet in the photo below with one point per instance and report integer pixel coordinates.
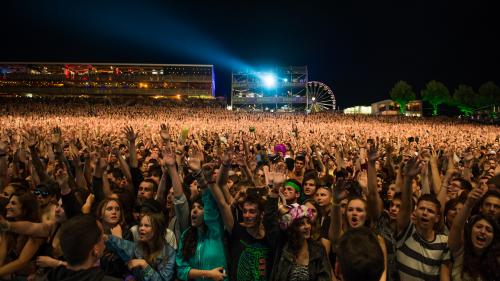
(5, 226)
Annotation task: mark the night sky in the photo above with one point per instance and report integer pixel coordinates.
(360, 50)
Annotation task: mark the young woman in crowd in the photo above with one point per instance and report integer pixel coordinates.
(201, 254)
(297, 256)
(474, 242)
(151, 258)
(110, 214)
(17, 252)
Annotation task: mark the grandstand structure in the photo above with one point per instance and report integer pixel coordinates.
(277, 89)
(176, 81)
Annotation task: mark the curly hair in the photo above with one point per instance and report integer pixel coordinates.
(484, 265)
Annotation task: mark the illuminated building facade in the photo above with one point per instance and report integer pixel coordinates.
(100, 79)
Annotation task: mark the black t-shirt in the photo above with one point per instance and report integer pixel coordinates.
(250, 257)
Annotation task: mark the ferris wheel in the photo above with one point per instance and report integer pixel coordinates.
(319, 97)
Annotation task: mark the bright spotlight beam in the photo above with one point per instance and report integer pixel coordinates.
(269, 80)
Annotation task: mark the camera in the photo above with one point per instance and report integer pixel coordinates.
(274, 158)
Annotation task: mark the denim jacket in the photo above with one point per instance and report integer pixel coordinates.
(163, 269)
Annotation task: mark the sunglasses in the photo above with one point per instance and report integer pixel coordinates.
(44, 194)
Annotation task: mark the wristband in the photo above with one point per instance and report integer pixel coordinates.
(5, 226)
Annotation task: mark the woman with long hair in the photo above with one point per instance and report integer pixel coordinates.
(49, 255)
(17, 251)
(315, 224)
(151, 258)
(201, 252)
(297, 255)
(111, 214)
(474, 243)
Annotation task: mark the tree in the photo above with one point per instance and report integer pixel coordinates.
(435, 93)
(489, 94)
(402, 93)
(465, 99)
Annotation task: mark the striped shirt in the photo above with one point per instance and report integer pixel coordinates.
(418, 259)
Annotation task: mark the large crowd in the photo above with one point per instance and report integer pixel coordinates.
(134, 191)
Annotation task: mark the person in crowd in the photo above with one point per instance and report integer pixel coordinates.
(474, 242)
(151, 258)
(296, 255)
(432, 259)
(363, 161)
(205, 234)
(81, 258)
(17, 251)
(110, 214)
(490, 204)
(359, 256)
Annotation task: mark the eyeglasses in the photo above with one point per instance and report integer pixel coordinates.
(44, 194)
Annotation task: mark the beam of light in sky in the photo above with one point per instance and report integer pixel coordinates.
(154, 29)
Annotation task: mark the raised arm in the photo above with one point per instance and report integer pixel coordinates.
(410, 170)
(456, 238)
(223, 176)
(27, 228)
(374, 202)
(335, 230)
(271, 213)
(31, 138)
(123, 165)
(132, 151)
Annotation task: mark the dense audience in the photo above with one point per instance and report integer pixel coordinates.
(121, 190)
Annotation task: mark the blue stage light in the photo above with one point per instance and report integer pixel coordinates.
(269, 80)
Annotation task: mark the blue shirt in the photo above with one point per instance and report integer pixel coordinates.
(163, 269)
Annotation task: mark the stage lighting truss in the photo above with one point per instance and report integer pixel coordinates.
(319, 97)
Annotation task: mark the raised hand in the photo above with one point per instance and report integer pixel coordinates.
(168, 158)
(276, 178)
(411, 169)
(56, 135)
(164, 132)
(194, 164)
(372, 153)
(227, 156)
(31, 137)
(363, 179)
(475, 195)
(130, 134)
(61, 177)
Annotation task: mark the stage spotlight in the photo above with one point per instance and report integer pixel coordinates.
(313, 98)
(269, 80)
(285, 80)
